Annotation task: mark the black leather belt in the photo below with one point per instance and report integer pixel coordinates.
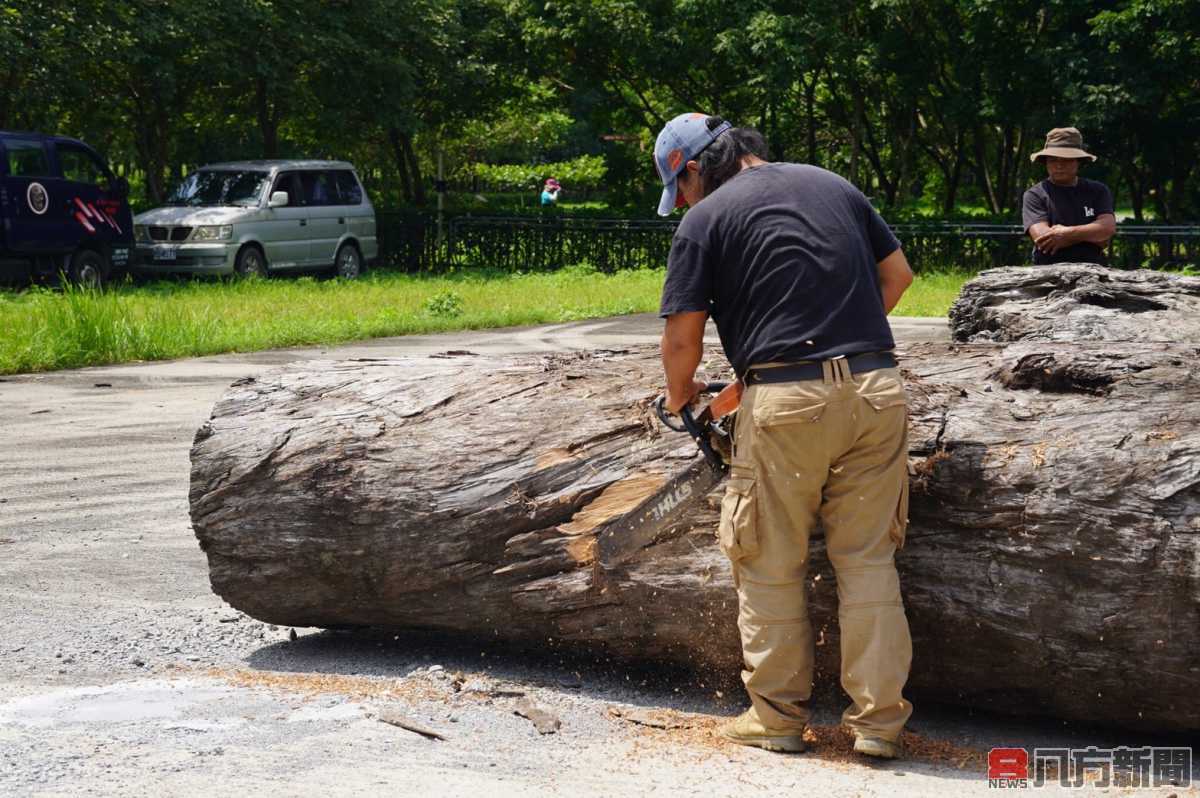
(868, 361)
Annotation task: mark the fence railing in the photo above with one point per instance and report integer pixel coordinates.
(982, 246)
(533, 243)
(551, 241)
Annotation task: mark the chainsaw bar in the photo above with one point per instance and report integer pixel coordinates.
(649, 521)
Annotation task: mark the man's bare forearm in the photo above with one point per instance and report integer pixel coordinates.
(1037, 230)
(680, 362)
(1052, 239)
(682, 350)
(1097, 232)
(895, 276)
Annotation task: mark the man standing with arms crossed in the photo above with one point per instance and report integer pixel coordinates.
(799, 272)
(1069, 218)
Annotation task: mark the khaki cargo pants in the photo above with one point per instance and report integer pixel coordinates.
(832, 450)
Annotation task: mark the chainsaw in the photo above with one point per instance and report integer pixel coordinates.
(712, 431)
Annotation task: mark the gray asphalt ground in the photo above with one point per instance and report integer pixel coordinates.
(122, 674)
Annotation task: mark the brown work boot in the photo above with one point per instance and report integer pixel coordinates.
(876, 746)
(747, 729)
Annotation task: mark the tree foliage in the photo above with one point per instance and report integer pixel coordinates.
(931, 103)
(585, 173)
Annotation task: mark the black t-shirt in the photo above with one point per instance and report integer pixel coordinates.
(1071, 206)
(784, 258)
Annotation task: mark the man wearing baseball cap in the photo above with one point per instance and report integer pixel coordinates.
(799, 273)
(1069, 218)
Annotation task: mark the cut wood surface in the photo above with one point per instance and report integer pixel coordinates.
(1077, 302)
(1052, 563)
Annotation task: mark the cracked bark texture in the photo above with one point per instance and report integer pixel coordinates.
(1052, 563)
(1077, 302)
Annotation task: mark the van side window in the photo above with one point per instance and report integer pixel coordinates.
(287, 182)
(348, 189)
(80, 166)
(26, 158)
(318, 188)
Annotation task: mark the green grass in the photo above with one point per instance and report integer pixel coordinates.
(45, 329)
(932, 293)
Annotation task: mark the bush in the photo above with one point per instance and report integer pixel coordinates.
(579, 174)
(446, 304)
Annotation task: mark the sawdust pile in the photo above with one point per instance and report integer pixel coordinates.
(828, 743)
(650, 729)
(313, 684)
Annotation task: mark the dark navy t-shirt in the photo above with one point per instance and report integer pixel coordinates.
(1071, 206)
(784, 258)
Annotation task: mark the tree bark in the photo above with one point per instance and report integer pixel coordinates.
(983, 174)
(414, 168)
(1052, 564)
(950, 165)
(1136, 195)
(12, 79)
(401, 163)
(269, 117)
(857, 132)
(1077, 302)
(906, 156)
(810, 116)
(951, 199)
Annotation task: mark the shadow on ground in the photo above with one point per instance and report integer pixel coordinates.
(596, 677)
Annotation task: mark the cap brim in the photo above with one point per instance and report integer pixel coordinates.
(667, 203)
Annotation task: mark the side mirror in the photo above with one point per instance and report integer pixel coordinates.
(278, 199)
(120, 188)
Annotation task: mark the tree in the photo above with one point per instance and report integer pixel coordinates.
(942, 99)
(149, 58)
(1145, 100)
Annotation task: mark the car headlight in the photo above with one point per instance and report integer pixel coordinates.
(141, 233)
(212, 232)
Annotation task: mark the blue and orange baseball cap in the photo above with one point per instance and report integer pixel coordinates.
(680, 141)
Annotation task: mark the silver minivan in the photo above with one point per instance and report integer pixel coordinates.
(261, 217)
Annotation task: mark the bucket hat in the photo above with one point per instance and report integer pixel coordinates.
(1063, 142)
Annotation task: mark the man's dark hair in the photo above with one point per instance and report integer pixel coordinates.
(722, 159)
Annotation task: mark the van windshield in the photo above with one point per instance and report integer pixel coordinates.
(220, 188)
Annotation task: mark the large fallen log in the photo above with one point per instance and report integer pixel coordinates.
(1077, 302)
(1052, 566)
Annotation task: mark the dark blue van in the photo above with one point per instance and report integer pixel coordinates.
(61, 210)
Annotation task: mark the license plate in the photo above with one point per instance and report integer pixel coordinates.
(120, 256)
(165, 253)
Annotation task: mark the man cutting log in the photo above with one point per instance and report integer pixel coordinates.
(799, 273)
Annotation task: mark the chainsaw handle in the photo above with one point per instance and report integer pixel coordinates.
(660, 408)
(685, 413)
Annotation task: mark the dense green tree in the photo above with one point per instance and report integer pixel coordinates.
(1145, 101)
(931, 102)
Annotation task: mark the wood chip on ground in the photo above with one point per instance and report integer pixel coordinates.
(654, 718)
(393, 718)
(543, 720)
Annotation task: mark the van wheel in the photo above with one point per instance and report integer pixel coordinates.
(348, 263)
(88, 269)
(250, 263)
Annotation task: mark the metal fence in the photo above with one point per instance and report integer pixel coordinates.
(536, 243)
(409, 241)
(982, 246)
(546, 242)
